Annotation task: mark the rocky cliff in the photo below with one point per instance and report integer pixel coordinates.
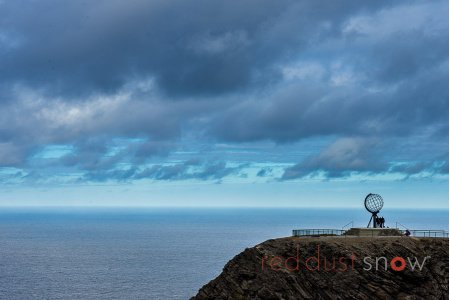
(336, 268)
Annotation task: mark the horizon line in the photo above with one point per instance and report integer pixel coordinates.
(211, 207)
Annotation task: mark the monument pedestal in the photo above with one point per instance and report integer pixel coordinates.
(373, 232)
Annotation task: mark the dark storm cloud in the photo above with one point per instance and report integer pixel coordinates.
(106, 175)
(94, 154)
(163, 72)
(182, 171)
(416, 168)
(369, 156)
(302, 111)
(202, 47)
(264, 172)
(340, 158)
(191, 169)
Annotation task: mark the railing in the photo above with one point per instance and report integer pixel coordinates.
(370, 232)
(348, 224)
(421, 232)
(300, 232)
(426, 233)
(398, 223)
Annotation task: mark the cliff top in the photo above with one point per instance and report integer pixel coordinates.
(336, 268)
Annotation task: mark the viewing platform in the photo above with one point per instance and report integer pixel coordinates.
(369, 232)
(376, 227)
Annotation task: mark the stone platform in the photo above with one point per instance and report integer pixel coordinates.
(373, 232)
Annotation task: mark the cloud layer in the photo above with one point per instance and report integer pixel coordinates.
(126, 86)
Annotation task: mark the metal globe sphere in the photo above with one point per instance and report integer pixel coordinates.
(373, 203)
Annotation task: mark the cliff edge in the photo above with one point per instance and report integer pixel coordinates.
(336, 268)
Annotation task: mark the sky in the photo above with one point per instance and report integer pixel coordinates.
(224, 103)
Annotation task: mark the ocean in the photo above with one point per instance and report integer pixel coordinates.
(150, 253)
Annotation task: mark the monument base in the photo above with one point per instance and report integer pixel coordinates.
(372, 232)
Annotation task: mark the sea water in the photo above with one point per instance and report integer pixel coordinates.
(150, 253)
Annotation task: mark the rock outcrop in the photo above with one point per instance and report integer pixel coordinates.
(364, 268)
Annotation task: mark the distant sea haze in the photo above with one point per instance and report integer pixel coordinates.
(150, 253)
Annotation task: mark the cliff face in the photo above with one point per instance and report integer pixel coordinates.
(364, 268)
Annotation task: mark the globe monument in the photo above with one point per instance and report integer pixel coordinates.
(374, 203)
